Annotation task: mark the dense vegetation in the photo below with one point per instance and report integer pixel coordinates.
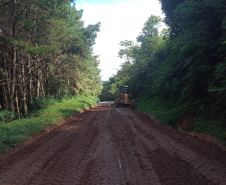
(106, 92)
(44, 51)
(180, 74)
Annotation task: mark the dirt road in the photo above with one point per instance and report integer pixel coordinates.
(107, 145)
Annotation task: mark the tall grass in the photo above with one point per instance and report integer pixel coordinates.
(17, 131)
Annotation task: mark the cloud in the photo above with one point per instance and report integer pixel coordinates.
(120, 21)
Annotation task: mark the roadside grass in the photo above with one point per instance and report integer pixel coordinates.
(209, 122)
(215, 127)
(167, 111)
(17, 131)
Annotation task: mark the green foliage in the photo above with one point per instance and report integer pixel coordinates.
(17, 131)
(107, 92)
(167, 111)
(213, 124)
(38, 103)
(54, 54)
(182, 71)
(137, 66)
(168, 7)
(209, 121)
(6, 116)
(90, 33)
(186, 92)
(43, 102)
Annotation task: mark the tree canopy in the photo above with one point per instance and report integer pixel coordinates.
(45, 51)
(186, 63)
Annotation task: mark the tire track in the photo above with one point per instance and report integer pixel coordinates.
(113, 146)
(133, 153)
(74, 160)
(211, 170)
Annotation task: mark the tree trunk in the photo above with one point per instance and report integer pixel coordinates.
(38, 81)
(17, 104)
(13, 76)
(6, 106)
(24, 92)
(7, 86)
(13, 82)
(30, 85)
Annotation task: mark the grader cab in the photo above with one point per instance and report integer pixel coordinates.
(125, 97)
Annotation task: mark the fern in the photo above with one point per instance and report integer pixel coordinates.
(186, 92)
(214, 89)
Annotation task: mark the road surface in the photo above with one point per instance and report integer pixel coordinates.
(113, 146)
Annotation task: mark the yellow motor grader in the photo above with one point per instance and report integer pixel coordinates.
(125, 97)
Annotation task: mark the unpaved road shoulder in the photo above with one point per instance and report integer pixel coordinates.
(107, 145)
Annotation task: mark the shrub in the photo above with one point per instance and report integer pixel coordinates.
(6, 116)
(38, 103)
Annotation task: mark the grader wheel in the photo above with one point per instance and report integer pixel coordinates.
(117, 102)
(133, 104)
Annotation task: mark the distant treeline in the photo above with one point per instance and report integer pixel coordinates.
(185, 64)
(45, 50)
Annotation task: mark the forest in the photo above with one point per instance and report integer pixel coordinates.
(45, 51)
(179, 74)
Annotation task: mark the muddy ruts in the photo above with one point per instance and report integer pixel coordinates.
(108, 145)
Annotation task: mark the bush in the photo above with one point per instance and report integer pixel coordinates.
(38, 103)
(43, 102)
(168, 111)
(6, 116)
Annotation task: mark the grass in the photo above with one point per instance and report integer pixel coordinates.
(209, 122)
(17, 131)
(214, 127)
(167, 111)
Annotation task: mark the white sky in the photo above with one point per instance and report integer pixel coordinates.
(120, 21)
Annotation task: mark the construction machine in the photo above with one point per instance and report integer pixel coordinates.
(125, 97)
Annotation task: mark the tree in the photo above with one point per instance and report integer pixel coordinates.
(139, 57)
(45, 51)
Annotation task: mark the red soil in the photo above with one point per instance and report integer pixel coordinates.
(107, 145)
